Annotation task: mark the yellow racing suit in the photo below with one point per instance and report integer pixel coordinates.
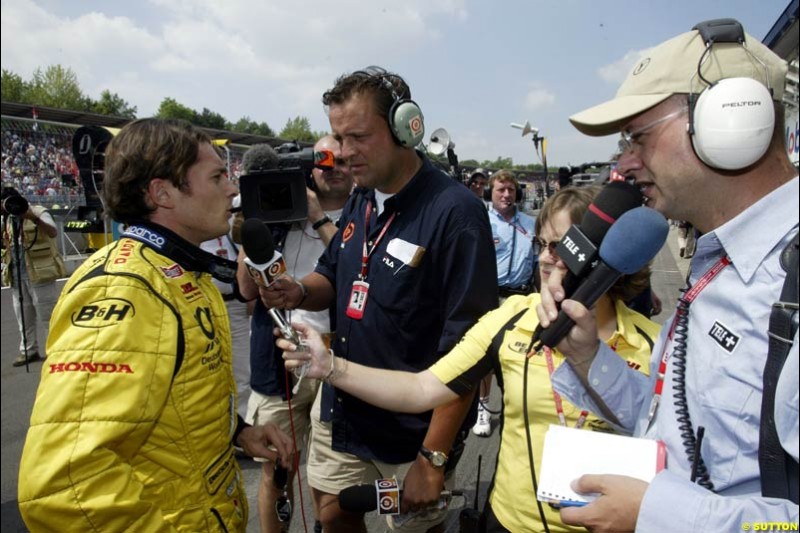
(135, 413)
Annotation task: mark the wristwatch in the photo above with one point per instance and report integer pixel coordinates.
(321, 222)
(437, 459)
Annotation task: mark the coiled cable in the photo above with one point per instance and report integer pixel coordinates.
(681, 333)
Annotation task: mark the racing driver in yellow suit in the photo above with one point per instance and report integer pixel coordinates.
(135, 417)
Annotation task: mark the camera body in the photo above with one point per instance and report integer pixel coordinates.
(279, 194)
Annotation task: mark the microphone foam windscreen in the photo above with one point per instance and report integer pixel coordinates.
(259, 157)
(359, 499)
(257, 241)
(613, 200)
(634, 240)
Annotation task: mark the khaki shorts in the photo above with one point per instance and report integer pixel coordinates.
(263, 409)
(330, 471)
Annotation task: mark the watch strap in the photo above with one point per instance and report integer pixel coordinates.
(321, 222)
(431, 456)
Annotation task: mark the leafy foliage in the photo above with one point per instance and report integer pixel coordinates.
(112, 104)
(299, 129)
(246, 125)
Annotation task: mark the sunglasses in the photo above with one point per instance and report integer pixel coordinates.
(283, 505)
(549, 246)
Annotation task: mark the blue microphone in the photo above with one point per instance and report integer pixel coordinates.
(629, 245)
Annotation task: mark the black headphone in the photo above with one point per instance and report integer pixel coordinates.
(405, 118)
(487, 193)
(732, 120)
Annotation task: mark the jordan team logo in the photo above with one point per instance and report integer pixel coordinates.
(348, 232)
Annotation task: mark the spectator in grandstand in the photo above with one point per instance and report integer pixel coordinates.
(29, 234)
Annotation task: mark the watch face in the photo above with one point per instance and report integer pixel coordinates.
(438, 459)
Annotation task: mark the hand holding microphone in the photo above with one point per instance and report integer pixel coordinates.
(630, 244)
(313, 354)
(578, 248)
(268, 270)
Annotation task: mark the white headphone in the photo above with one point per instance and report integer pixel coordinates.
(730, 122)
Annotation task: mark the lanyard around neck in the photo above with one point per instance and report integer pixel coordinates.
(366, 251)
(562, 419)
(690, 296)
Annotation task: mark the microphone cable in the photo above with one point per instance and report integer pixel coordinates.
(679, 391)
(528, 435)
(296, 461)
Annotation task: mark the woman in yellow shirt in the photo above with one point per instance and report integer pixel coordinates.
(499, 342)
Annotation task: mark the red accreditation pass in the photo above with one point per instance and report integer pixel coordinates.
(358, 300)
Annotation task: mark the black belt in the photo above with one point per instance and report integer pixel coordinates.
(505, 292)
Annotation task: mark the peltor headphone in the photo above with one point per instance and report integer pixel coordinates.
(405, 118)
(732, 120)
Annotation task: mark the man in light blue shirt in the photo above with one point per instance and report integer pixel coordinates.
(737, 186)
(513, 233)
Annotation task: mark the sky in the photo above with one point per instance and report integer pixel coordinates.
(473, 66)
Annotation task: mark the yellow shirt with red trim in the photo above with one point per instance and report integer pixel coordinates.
(513, 499)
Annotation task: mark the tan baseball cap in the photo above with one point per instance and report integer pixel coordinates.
(668, 69)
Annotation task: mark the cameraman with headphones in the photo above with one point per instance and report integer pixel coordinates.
(29, 234)
(410, 270)
(703, 135)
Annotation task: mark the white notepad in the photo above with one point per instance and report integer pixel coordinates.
(570, 453)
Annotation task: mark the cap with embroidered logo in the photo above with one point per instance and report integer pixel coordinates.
(671, 68)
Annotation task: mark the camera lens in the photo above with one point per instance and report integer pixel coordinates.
(15, 205)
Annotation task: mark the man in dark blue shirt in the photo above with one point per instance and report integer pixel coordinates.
(411, 268)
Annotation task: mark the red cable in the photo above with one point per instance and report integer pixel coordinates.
(294, 441)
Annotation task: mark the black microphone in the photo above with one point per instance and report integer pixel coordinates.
(578, 247)
(630, 244)
(265, 265)
(259, 157)
(366, 498)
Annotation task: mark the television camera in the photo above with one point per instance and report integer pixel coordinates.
(275, 191)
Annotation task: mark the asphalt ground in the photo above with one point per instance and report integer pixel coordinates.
(18, 391)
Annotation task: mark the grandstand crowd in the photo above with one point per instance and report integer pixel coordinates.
(37, 160)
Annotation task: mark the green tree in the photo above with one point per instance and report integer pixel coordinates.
(298, 129)
(57, 86)
(171, 108)
(500, 162)
(210, 119)
(113, 104)
(14, 88)
(470, 163)
(245, 125)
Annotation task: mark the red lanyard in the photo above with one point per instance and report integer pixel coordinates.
(548, 355)
(366, 253)
(690, 296)
(513, 223)
(519, 228)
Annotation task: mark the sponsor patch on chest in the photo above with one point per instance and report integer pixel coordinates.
(726, 338)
